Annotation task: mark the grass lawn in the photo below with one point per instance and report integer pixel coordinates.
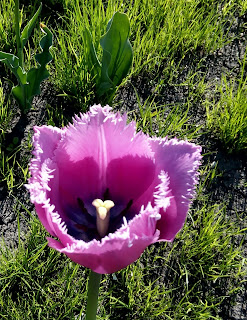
(188, 80)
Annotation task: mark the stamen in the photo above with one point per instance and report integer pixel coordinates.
(102, 215)
(98, 203)
(102, 211)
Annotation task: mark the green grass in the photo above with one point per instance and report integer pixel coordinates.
(13, 170)
(6, 27)
(202, 270)
(227, 113)
(5, 112)
(162, 121)
(162, 33)
(7, 162)
(243, 6)
(36, 283)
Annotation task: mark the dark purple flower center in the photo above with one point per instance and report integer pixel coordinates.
(84, 221)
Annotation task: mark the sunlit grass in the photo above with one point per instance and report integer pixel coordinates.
(5, 112)
(162, 33)
(7, 152)
(36, 283)
(6, 25)
(227, 113)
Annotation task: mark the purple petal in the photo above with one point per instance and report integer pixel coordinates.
(178, 160)
(129, 177)
(76, 180)
(101, 136)
(45, 141)
(115, 251)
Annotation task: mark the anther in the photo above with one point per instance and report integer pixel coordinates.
(102, 215)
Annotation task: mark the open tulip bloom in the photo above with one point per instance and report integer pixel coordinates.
(106, 192)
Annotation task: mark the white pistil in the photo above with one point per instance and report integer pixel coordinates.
(102, 215)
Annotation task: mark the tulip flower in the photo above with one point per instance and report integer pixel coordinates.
(106, 192)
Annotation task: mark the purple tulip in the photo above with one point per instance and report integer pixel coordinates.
(107, 192)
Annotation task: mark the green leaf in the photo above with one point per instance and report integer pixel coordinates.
(45, 56)
(13, 64)
(34, 78)
(29, 27)
(19, 93)
(29, 83)
(36, 75)
(117, 53)
(11, 60)
(92, 59)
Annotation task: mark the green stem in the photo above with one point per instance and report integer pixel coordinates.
(92, 295)
(17, 33)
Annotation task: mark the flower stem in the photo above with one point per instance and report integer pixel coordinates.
(92, 295)
(17, 33)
